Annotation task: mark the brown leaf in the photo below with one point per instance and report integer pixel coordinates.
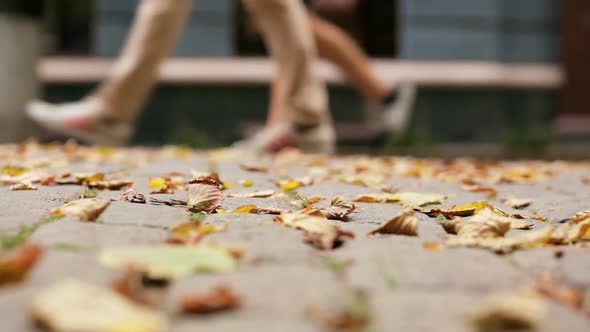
(254, 168)
(15, 266)
(449, 214)
(403, 223)
(566, 295)
(221, 298)
(138, 288)
(317, 230)
(517, 203)
(88, 209)
(338, 213)
(271, 210)
(478, 188)
(452, 226)
(204, 195)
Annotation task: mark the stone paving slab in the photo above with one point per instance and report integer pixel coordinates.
(410, 288)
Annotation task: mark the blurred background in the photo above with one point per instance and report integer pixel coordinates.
(496, 78)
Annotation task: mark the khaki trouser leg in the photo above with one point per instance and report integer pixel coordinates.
(286, 30)
(20, 40)
(156, 28)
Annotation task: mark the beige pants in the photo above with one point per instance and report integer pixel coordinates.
(158, 24)
(20, 40)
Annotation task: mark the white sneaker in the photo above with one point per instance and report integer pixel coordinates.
(394, 117)
(83, 120)
(316, 140)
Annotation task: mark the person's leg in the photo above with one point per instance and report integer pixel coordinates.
(389, 105)
(299, 95)
(105, 115)
(337, 46)
(156, 29)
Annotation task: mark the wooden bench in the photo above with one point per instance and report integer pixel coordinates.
(260, 71)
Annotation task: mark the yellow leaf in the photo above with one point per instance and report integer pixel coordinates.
(88, 209)
(290, 185)
(245, 209)
(247, 183)
(480, 205)
(228, 185)
(158, 183)
(13, 170)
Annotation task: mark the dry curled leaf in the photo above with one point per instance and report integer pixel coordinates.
(452, 226)
(340, 201)
(72, 305)
(502, 245)
(522, 311)
(255, 194)
(23, 185)
(481, 205)
(88, 209)
(317, 230)
(570, 232)
(132, 196)
(219, 299)
(517, 203)
(204, 195)
(485, 224)
(581, 216)
(15, 265)
(403, 223)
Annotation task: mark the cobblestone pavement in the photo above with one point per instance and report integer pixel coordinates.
(281, 278)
